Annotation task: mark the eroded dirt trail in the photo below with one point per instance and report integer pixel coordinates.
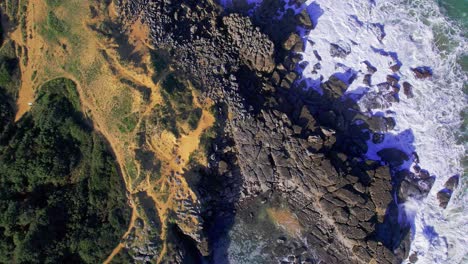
(31, 52)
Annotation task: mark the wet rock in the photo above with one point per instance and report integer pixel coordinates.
(395, 68)
(340, 50)
(445, 194)
(380, 123)
(444, 197)
(452, 182)
(367, 79)
(370, 68)
(413, 186)
(303, 19)
(378, 138)
(422, 72)
(392, 80)
(292, 40)
(335, 87)
(408, 89)
(413, 258)
(393, 156)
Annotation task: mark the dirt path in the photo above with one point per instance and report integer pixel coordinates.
(121, 245)
(31, 52)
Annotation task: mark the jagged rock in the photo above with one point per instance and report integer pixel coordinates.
(255, 48)
(292, 40)
(335, 87)
(444, 195)
(303, 19)
(306, 120)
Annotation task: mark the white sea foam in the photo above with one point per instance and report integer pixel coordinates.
(385, 33)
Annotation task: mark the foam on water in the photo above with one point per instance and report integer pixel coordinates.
(407, 33)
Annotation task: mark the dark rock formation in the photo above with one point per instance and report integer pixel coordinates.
(422, 72)
(282, 145)
(408, 90)
(445, 194)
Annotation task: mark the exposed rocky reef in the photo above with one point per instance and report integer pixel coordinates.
(281, 144)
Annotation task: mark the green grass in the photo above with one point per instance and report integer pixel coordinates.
(55, 28)
(131, 169)
(122, 111)
(194, 118)
(57, 25)
(64, 87)
(54, 3)
(129, 123)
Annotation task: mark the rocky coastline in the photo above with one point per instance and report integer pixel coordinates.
(279, 143)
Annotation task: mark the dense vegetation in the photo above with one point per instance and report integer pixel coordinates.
(9, 76)
(180, 103)
(61, 197)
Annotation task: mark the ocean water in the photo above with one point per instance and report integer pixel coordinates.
(408, 33)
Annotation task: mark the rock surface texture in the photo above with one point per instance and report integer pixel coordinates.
(281, 145)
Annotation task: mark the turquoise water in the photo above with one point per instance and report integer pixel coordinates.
(457, 10)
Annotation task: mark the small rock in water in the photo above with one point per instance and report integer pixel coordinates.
(370, 68)
(378, 138)
(413, 258)
(422, 72)
(367, 79)
(392, 80)
(445, 194)
(395, 67)
(408, 90)
(452, 183)
(339, 50)
(444, 197)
